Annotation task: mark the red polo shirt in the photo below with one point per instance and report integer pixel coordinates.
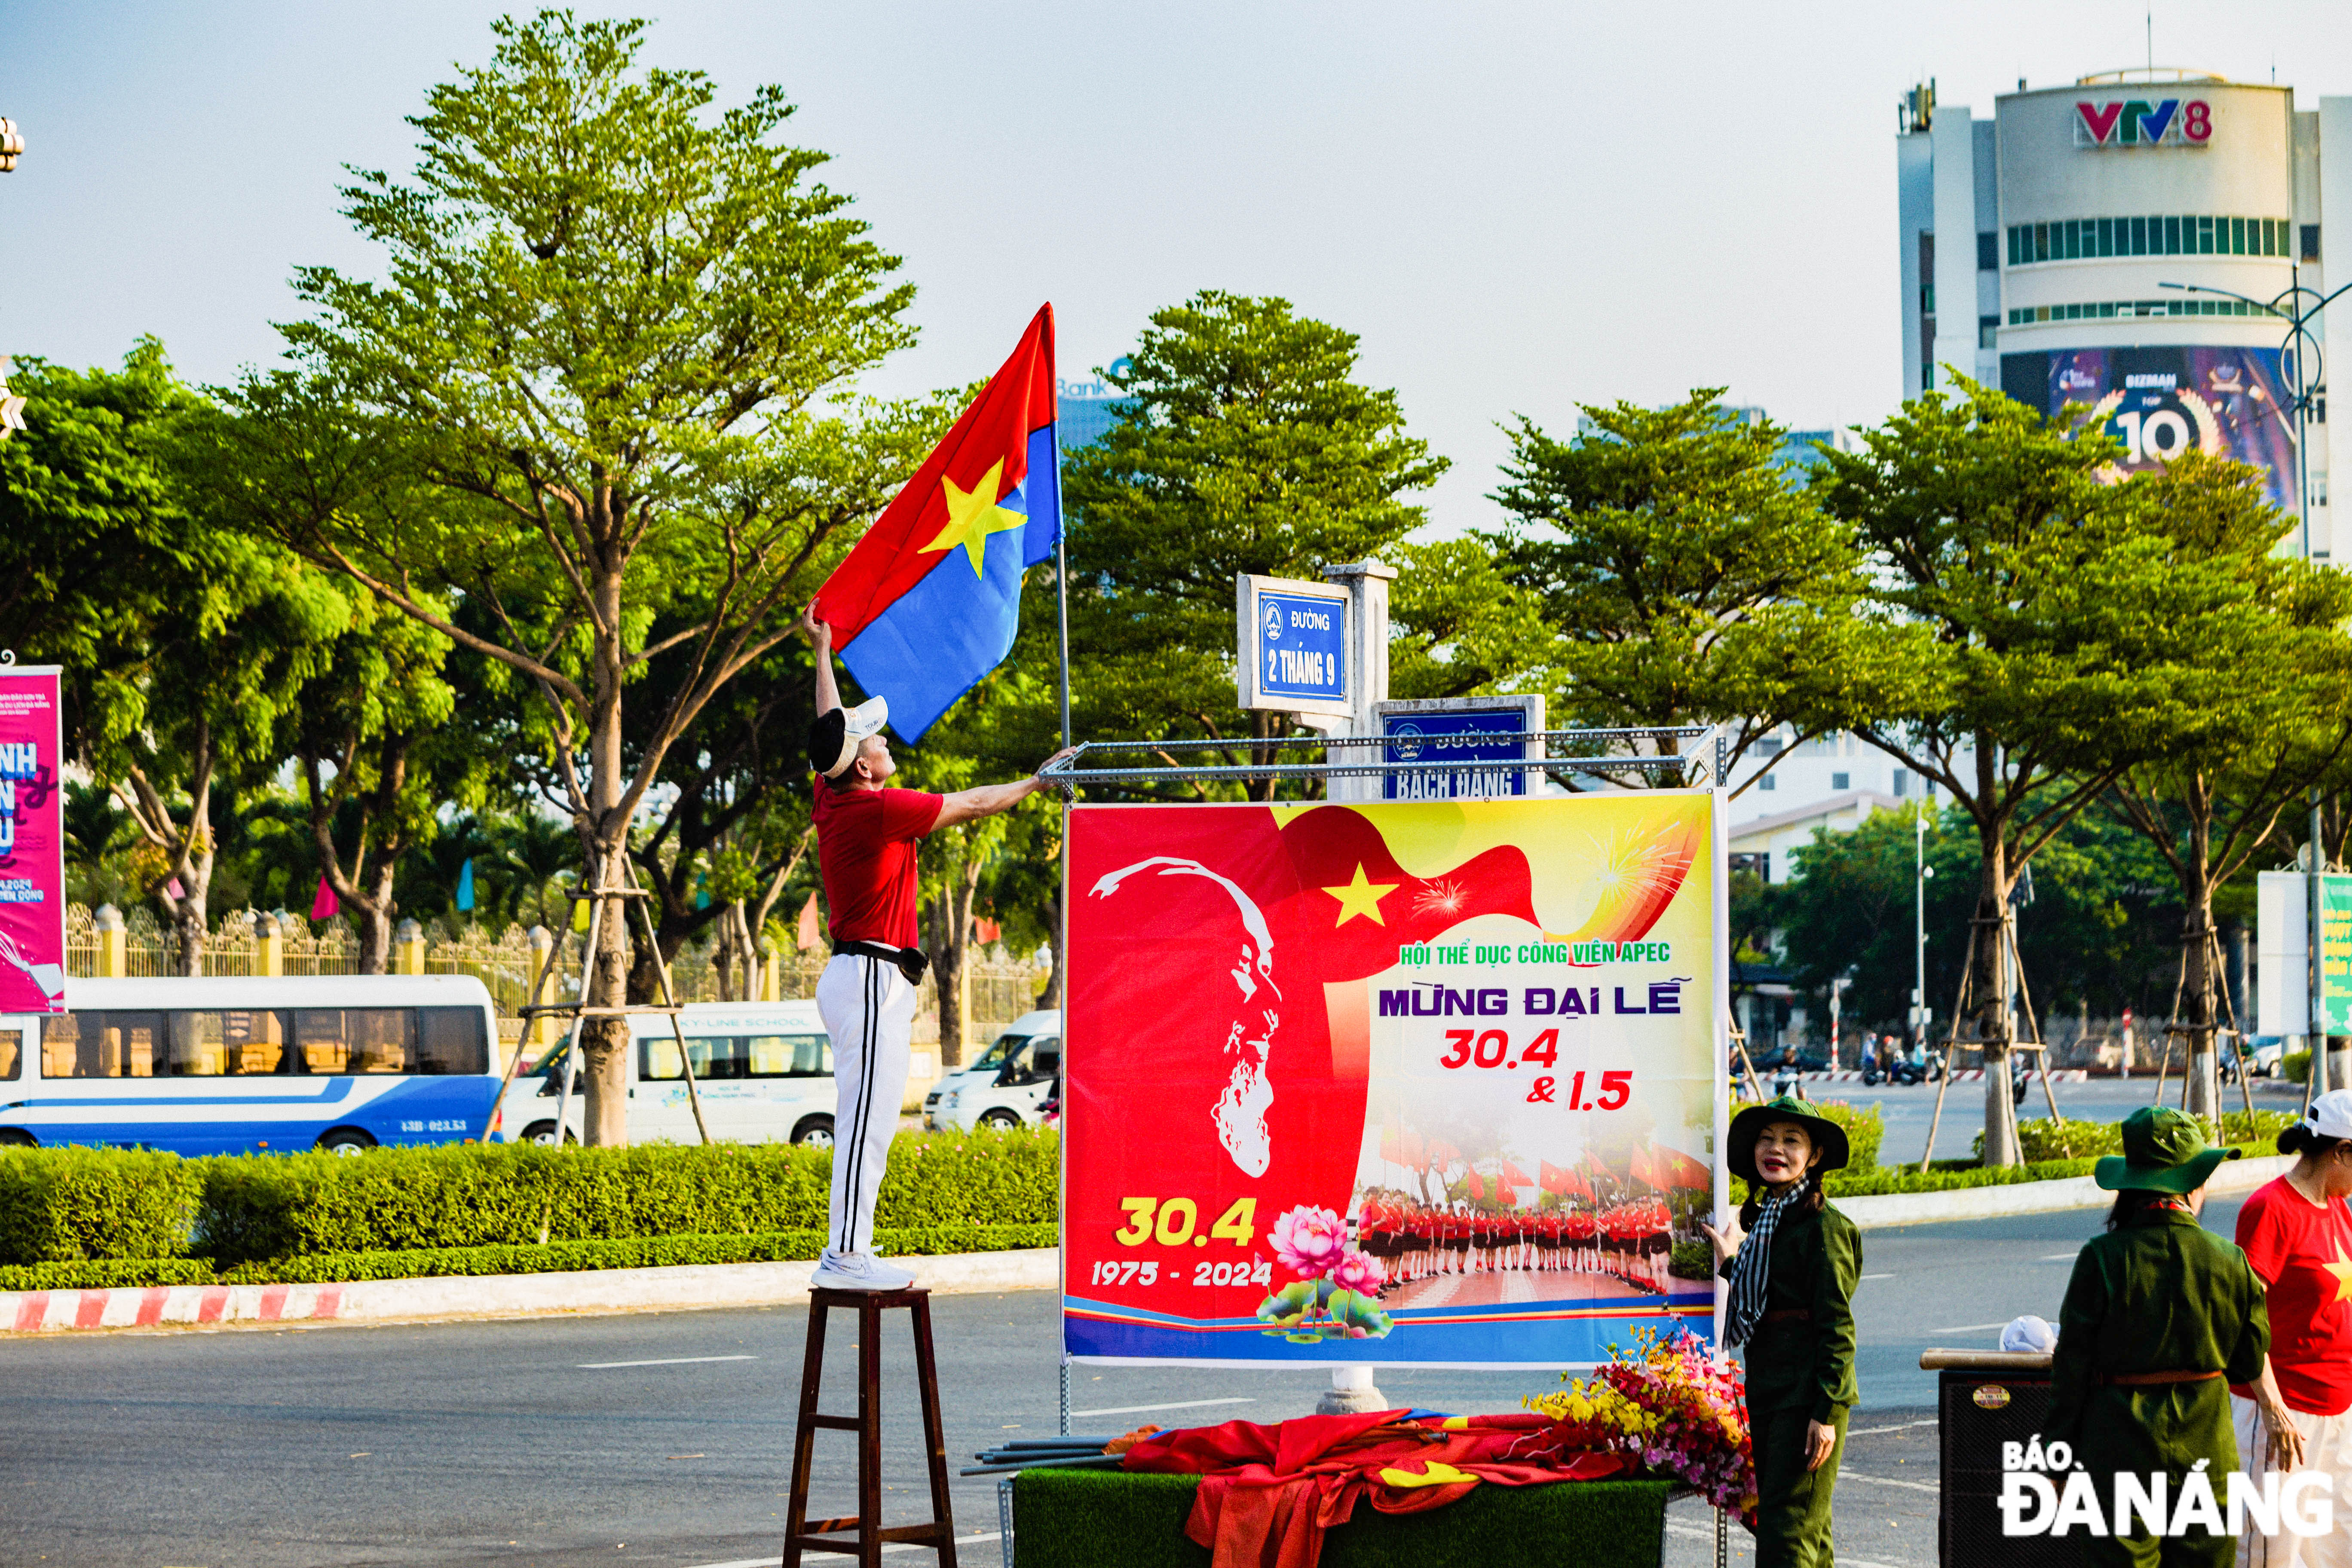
(866, 841)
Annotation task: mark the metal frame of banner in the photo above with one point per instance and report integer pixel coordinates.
(1701, 762)
(1705, 765)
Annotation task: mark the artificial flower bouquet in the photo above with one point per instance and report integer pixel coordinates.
(1667, 1405)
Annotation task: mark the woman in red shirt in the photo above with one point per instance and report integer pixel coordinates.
(2297, 1233)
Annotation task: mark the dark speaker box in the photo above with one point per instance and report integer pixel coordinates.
(1983, 1400)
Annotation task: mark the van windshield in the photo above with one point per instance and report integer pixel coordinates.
(996, 1054)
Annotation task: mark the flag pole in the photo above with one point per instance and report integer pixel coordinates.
(1062, 581)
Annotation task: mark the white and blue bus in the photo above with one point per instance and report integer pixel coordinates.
(265, 1064)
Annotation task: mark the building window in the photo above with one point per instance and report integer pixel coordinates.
(2310, 242)
(2193, 234)
(1840, 781)
(1902, 782)
(1988, 250)
(1768, 782)
(2103, 310)
(1986, 327)
(1769, 746)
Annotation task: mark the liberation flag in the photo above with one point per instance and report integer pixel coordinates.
(930, 600)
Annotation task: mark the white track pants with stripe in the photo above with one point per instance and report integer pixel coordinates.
(869, 1010)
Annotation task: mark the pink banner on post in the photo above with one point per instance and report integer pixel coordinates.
(32, 844)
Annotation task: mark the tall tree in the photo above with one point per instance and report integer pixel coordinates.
(1245, 445)
(2263, 713)
(1682, 577)
(185, 643)
(2037, 627)
(603, 302)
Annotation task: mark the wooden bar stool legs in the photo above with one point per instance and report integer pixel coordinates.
(801, 1532)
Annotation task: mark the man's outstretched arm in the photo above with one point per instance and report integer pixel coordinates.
(820, 637)
(972, 804)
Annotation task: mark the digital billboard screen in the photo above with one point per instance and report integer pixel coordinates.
(2161, 402)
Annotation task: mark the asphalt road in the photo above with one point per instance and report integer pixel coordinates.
(526, 1443)
(1908, 1111)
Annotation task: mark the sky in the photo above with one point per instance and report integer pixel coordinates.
(1518, 208)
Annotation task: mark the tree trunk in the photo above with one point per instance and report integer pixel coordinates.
(950, 951)
(1991, 984)
(376, 913)
(604, 1114)
(2197, 997)
(189, 913)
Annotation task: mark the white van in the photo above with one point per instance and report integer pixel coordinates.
(1005, 1086)
(764, 1070)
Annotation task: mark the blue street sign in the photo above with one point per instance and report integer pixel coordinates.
(1302, 647)
(1430, 738)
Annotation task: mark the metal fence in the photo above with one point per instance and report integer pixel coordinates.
(1001, 988)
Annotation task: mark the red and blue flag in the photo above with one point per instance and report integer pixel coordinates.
(930, 601)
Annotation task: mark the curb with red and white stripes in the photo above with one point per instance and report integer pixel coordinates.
(1963, 1075)
(585, 1291)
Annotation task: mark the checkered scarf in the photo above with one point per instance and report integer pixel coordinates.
(1750, 1266)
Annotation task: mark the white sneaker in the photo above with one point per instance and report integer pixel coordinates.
(857, 1271)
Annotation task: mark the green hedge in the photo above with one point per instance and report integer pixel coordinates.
(72, 1206)
(467, 1196)
(556, 1257)
(2295, 1067)
(106, 1273)
(2042, 1139)
(1865, 1128)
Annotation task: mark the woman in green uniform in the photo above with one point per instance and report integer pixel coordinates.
(1793, 1261)
(2162, 1316)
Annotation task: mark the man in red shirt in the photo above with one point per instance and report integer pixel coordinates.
(866, 835)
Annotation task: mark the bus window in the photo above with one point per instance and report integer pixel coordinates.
(356, 1039)
(792, 1055)
(449, 1040)
(198, 1049)
(103, 1044)
(12, 1054)
(258, 1042)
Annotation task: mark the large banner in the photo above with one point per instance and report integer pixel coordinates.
(32, 844)
(1432, 1082)
(2161, 402)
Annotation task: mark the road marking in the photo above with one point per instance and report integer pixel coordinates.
(1697, 1533)
(2062, 1258)
(1898, 1427)
(768, 1561)
(1970, 1327)
(1878, 1276)
(1845, 1475)
(666, 1361)
(1144, 1409)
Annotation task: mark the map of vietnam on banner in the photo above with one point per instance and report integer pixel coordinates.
(1415, 1082)
(32, 843)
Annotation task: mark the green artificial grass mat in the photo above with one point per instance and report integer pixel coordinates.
(1094, 1519)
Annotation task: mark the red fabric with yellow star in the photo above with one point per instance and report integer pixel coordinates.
(2303, 1251)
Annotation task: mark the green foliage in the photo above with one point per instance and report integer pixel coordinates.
(1865, 1129)
(1691, 1260)
(62, 1206)
(2073, 1140)
(464, 1195)
(2295, 1067)
(2102, 930)
(1681, 578)
(106, 1273)
(1245, 445)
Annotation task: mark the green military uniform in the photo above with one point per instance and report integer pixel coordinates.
(1800, 1362)
(1801, 1370)
(2162, 1294)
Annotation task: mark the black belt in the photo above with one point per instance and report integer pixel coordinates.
(911, 961)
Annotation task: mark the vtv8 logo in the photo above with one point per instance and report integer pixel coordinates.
(2139, 122)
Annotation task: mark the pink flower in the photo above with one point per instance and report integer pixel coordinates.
(1309, 1241)
(1356, 1272)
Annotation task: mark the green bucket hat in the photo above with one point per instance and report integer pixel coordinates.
(1827, 1135)
(2164, 1152)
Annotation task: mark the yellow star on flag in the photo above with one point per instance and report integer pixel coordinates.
(1361, 897)
(972, 516)
(2342, 1270)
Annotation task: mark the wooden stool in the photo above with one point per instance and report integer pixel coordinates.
(802, 1534)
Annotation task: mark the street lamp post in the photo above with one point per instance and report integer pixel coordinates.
(2300, 306)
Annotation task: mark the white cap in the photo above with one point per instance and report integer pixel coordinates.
(2029, 1333)
(835, 736)
(2330, 1115)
